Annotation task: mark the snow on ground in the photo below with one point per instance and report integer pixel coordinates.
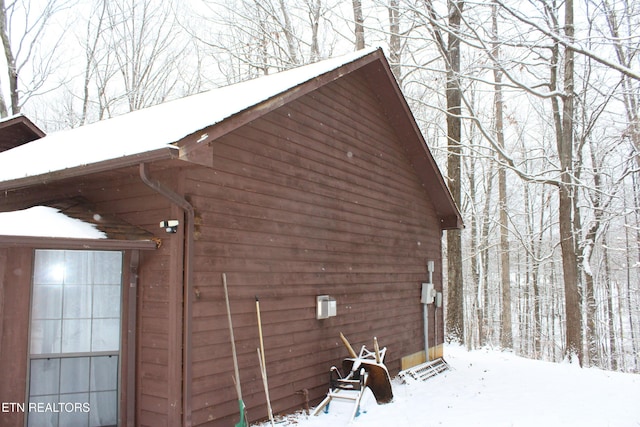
(492, 388)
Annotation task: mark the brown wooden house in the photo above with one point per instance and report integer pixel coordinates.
(314, 181)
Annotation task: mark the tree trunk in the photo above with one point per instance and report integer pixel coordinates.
(630, 263)
(288, 33)
(476, 284)
(484, 254)
(506, 336)
(572, 297)
(315, 23)
(563, 121)
(359, 23)
(610, 312)
(394, 38)
(587, 252)
(455, 302)
(12, 69)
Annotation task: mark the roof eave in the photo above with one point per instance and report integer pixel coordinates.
(75, 243)
(165, 153)
(25, 121)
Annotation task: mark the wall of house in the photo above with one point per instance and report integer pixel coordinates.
(159, 304)
(317, 197)
(15, 292)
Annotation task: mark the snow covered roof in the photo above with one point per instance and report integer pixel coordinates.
(155, 127)
(45, 221)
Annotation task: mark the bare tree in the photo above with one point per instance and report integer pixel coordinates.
(142, 36)
(288, 33)
(358, 19)
(23, 27)
(395, 41)
(314, 11)
(505, 265)
(451, 54)
(92, 44)
(566, 208)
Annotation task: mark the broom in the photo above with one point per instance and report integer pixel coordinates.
(263, 365)
(236, 380)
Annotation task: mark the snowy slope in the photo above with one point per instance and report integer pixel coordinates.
(490, 388)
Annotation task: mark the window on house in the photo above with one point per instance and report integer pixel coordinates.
(75, 338)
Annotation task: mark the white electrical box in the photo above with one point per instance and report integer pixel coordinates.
(438, 299)
(326, 307)
(428, 294)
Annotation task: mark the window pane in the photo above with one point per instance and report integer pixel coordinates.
(107, 268)
(74, 375)
(45, 374)
(78, 417)
(106, 301)
(45, 336)
(77, 268)
(48, 268)
(76, 336)
(43, 418)
(105, 335)
(104, 409)
(47, 302)
(104, 373)
(76, 301)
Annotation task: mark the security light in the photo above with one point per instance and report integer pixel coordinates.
(170, 225)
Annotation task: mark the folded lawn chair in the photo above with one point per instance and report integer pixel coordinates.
(363, 370)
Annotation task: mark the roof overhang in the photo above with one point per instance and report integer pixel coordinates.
(90, 229)
(17, 130)
(71, 243)
(167, 153)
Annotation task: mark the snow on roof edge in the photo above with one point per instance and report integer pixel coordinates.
(156, 126)
(45, 221)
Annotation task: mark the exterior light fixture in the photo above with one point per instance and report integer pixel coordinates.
(170, 225)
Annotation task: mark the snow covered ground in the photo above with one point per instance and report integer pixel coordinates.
(491, 388)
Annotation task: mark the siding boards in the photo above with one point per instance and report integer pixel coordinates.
(130, 199)
(289, 215)
(15, 290)
(338, 148)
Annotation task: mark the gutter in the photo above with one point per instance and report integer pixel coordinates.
(166, 153)
(188, 254)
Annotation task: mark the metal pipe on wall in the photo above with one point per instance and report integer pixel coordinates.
(183, 204)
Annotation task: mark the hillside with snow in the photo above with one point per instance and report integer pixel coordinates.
(492, 388)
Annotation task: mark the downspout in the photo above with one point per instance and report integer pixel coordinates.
(426, 298)
(132, 332)
(182, 203)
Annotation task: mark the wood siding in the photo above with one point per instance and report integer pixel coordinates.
(16, 266)
(159, 312)
(316, 197)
